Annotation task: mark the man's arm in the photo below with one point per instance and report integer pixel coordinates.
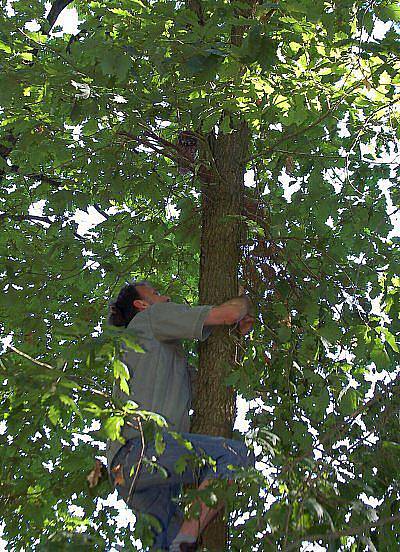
(230, 312)
(246, 324)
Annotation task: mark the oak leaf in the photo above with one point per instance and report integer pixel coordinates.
(95, 474)
(119, 475)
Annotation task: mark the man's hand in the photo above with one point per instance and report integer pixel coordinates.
(230, 312)
(245, 325)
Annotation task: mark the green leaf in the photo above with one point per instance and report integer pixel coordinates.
(160, 420)
(133, 78)
(393, 448)
(184, 442)
(266, 55)
(91, 127)
(5, 47)
(68, 401)
(120, 369)
(121, 372)
(232, 379)
(133, 470)
(284, 334)
(109, 62)
(316, 506)
(141, 4)
(349, 402)
(258, 46)
(390, 339)
(54, 414)
(113, 426)
(210, 121)
(130, 341)
(130, 407)
(196, 64)
(159, 443)
(181, 463)
(155, 467)
(312, 8)
(124, 386)
(322, 401)
(123, 67)
(203, 67)
(330, 331)
(93, 408)
(390, 12)
(379, 355)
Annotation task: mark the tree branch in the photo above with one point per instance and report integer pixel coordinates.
(54, 12)
(32, 218)
(37, 218)
(345, 533)
(101, 211)
(197, 7)
(341, 428)
(158, 142)
(49, 367)
(299, 131)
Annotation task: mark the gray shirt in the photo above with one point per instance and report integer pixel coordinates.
(159, 377)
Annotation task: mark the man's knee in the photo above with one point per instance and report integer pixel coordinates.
(251, 459)
(247, 456)
(244, 456)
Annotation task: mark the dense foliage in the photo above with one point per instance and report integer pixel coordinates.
(92, 121)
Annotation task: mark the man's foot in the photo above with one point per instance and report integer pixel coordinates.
(184, 543)
(186, 547)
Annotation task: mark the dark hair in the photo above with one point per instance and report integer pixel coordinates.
(121, 311)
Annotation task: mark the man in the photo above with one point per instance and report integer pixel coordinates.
(160, 382)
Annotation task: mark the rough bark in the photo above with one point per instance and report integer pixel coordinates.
(214, 409)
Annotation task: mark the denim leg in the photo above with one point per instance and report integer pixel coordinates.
(224, 451)
(157, 499)
(158, 502)
(153, 493)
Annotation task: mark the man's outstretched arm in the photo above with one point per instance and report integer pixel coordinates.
(171, 321)
(230, 312)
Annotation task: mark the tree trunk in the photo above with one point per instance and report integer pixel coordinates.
(214, 408)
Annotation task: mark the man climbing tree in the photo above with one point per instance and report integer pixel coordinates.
(160, 382)
(204, 144)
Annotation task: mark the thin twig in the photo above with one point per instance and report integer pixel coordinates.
(32, 218)
(343, 426)
(49, 367)
(34, 360)
(139, 462)
(101, 211)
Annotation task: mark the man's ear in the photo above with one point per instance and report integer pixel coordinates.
(140, 305)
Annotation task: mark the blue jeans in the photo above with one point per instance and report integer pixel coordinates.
(156, 495)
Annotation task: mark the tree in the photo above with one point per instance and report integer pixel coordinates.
(298, 92)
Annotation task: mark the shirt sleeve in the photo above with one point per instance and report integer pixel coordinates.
(171, 321)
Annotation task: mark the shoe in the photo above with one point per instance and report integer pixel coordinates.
(188, 547)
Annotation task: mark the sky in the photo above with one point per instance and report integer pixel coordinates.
(87, 220)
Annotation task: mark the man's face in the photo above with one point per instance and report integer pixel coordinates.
(149, 296)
